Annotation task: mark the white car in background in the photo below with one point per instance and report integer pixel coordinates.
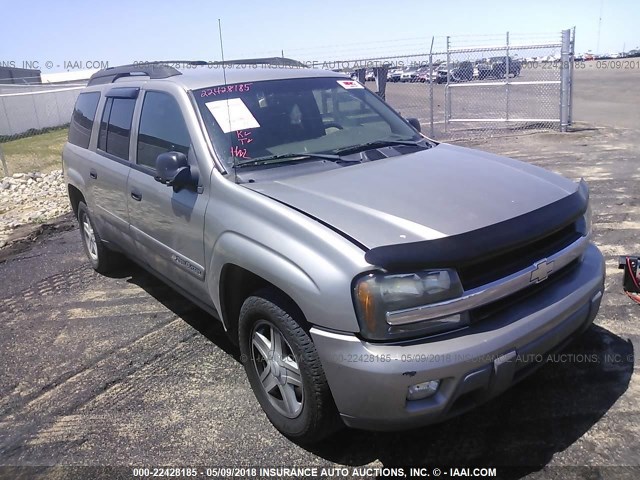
(394, 75)
(410, 74)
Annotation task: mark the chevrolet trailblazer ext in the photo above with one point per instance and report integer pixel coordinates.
(369, 274)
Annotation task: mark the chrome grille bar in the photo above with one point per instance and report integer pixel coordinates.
(493, 291)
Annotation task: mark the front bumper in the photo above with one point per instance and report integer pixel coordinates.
(369, 381)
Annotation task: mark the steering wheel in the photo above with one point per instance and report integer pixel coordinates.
(332, 125)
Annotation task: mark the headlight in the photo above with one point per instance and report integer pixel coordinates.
(376, 294)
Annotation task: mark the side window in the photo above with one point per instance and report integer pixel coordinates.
(115, 127)
(82, 119)
(162, 128)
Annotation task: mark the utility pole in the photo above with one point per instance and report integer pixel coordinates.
(599, 27)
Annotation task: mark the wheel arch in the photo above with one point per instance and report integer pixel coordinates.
(75, 187)
(75, 197)
(237, 284)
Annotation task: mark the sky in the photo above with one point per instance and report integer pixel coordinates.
(79, 34)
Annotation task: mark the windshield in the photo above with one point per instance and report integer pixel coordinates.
(304, 115)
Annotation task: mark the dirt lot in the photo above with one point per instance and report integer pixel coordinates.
(120, 370)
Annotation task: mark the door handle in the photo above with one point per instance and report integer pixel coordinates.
(137, 196)
(93, 174)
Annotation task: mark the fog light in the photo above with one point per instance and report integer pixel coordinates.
(423, 390)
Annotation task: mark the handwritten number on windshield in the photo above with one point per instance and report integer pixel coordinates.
(237, 87)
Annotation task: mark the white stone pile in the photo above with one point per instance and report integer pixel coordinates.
(30, 198)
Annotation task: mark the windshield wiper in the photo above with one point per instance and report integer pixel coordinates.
(269, 159)
(379, 144)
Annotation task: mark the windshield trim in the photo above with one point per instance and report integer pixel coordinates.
(290, 157)
(217, 161)
(382, 143)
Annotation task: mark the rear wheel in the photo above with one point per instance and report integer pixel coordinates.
(102, 259)
(284, 369)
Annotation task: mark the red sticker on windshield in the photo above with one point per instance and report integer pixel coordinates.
(349, 84)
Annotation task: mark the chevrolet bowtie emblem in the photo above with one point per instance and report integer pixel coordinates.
(541, 271)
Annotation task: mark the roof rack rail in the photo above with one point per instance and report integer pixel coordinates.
(277, 61)
(160, 69)
(166, 68)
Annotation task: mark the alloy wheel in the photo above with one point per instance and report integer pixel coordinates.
(277, 369)
(89, 237)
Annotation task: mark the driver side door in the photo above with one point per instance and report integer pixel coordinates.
(167, 225)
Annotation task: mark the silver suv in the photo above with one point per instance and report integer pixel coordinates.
(371, 276)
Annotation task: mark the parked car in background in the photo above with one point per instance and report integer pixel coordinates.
(427, 75)
(370, 76)
(394, 74)
(410, 74)
(461, 72)
(441, 73)
(496, 67)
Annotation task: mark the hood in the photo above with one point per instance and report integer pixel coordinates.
(434, 193)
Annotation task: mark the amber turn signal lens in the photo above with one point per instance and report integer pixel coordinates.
(367, 304)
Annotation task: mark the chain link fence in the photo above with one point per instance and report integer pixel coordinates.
(470, 86)
(505, 84)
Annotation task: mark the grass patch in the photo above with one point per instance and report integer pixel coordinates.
(38, 153)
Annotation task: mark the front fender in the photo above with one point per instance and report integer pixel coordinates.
(234, 248)
(316, 287)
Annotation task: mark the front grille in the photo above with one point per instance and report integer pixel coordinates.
(504, 264)
(489, 310)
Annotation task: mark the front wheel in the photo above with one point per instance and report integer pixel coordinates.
(284, 369)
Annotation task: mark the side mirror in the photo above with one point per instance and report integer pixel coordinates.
(172, 169)
(415, 123)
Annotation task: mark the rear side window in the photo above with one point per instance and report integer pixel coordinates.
(115, 127)
(162, 128)
(82, 118)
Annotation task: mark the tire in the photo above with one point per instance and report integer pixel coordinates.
(101, 258)
(293, 392)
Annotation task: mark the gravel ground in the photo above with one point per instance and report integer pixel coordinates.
(28, 198)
